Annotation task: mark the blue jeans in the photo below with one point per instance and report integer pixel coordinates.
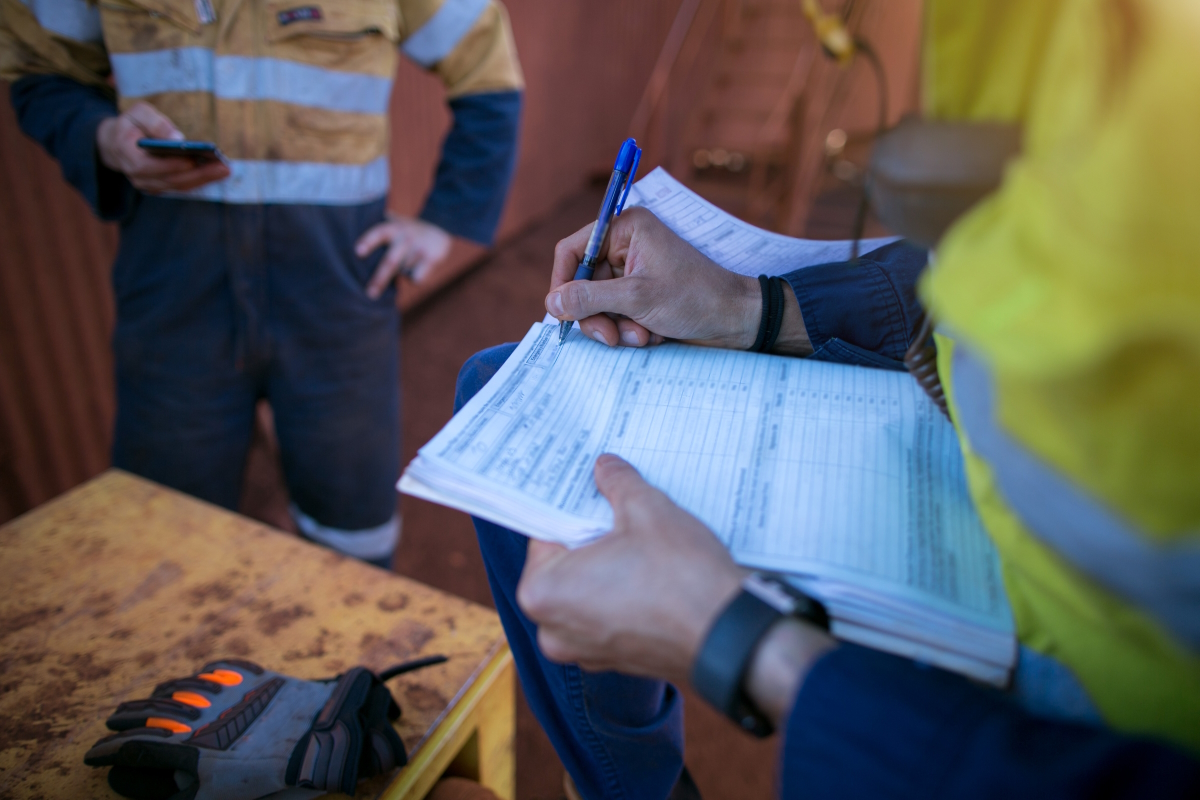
(618, 736)
(622, 737)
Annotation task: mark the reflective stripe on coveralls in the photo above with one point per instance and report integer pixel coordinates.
(1140, 676)
(196, 69)
(70, 19)
(434, 40)
(293, 182)
(369, 544)
(1163, 579)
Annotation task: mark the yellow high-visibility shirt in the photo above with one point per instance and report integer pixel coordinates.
(1073, 298)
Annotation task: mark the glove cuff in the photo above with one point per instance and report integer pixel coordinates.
(350, 738)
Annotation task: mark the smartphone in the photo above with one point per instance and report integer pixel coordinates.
(200, 152)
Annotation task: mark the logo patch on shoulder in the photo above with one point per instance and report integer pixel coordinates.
(301, 14)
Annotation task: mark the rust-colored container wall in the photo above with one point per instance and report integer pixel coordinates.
(56, 312)
(585, 66)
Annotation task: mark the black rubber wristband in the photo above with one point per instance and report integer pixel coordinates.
(764, 321)
(771, 321)
(721, 665)
(775, 284)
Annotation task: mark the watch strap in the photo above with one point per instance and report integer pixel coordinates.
(724, 658)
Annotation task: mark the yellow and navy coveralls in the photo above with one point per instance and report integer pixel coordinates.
(249, 287)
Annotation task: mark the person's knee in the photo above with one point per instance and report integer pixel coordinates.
(478, 370)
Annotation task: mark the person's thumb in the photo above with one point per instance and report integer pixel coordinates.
(153, 122)
(619, 482)
(580, 299)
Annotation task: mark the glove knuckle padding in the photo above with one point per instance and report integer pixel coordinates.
(261, 733)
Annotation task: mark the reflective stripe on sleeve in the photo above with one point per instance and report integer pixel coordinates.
(297, 182)
(196, 69)
(70, 19)
(1161, 579)
(434, 40)
(367, 544)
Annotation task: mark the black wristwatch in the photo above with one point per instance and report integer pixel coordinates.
(721, 665)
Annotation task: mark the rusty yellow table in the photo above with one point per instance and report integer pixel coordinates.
(121, 584)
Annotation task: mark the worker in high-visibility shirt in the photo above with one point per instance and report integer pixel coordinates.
(272, 275)
(1068, 310)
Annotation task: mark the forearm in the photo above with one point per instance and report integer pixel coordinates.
(869, 305)
(865, 724)
(864, 311)
(780, 663)
(63, 116)
(476, 167)
(744, 304)
(793, 335)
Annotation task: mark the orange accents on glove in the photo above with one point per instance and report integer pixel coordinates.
(168, 724)
(225, 677)
(192, 699)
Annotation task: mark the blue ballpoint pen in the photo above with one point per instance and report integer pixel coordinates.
(614, 200)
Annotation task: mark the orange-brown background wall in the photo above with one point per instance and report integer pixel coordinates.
(585, 66)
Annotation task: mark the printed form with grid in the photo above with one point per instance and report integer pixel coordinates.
(847, 479)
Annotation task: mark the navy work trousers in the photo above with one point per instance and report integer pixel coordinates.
(221, 305)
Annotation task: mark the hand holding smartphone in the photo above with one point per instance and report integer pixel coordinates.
(143, 144)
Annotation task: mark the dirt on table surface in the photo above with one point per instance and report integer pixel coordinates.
(496, 303)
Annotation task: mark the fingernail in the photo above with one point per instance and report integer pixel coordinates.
(599, 337)
(629, 337)
(359, 251)
(554, 304)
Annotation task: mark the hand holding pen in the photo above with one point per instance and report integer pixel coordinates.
(619, 184)
(651, 285)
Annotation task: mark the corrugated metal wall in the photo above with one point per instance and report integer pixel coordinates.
(56, 311)
(585, 65)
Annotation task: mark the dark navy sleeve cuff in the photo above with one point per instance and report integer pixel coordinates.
(863, 311)
(62, 115)
(476, 169)
(867, 724)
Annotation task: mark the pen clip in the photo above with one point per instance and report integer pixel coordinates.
(637, 158)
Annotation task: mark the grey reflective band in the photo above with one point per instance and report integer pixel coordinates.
(70, 19)
(180, 69)
(197, 69)
(367, 544)
(247, 78)
(298, 182)
(434, 40)
(1163, 580)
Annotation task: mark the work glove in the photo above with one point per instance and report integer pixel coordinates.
(235, 731)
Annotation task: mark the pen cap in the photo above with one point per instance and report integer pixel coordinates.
(628, 150)
(625, 158)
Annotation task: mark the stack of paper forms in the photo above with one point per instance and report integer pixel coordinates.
(848, 479)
